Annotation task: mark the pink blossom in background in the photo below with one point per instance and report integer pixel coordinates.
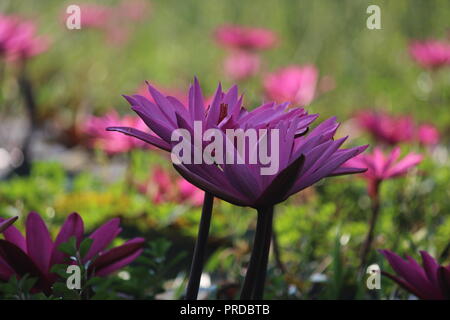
(245, 38)
(387, 128)
(240, 65)
(296, 84)
(98, 137)
(19, 39)
(428, 134)
(115, 22)
(96, 16)
(431, 54)
(190, 193)
(161, 187)
(381, 167)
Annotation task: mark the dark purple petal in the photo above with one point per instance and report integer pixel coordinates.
(157, 142)
(22, 264)
(5, 224)
(116, 258)
(278, 189)
(102, 237)
(39, 242)
(72, 227)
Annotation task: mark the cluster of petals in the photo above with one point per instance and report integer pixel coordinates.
(382, 167)
(431, 54)
(392, 130)
(304, 158)
(429, 281)
(296, 84)
(36, 253)
(19, 39)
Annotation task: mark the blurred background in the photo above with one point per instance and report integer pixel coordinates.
(59, 95)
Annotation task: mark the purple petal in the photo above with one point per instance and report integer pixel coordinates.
(102, 237)
(5, 224)
(118, 257)
(157, 142)
(72, 227)
(22, 264)
(39, 242)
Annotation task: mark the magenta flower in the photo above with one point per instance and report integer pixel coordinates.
(427, 134)
(304, 160)
(94, 128)
(429, 282)
(430, 54)
(382, 167)
(296, 84)
(18, 39)
(387, 128)
(37, 253)
(245, 38)
(240, 65)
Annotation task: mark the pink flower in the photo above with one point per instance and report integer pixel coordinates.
(190, 193)
(296, 84)
(246, 38)
(240, 65)
(96, 16)
(381, 167)
(428, 134)
(429, 282)
(386, 128)
(431, 54)
(98, 137)
(37, 253)
(18, 39)
(162, 187)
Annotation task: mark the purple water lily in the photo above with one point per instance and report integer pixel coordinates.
(430, 281)
(303, 160)
(36, 253)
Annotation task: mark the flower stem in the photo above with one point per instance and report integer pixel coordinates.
(26, 90)
(200, 248)
(256, 273)
(372, 223)
(258, 292)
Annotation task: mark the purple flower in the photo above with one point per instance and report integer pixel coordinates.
(429, 282)
(36, 253)
(303, 159)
